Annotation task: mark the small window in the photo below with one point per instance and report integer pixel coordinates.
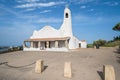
(66, 15)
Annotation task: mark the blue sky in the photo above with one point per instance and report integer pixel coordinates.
(91, 19)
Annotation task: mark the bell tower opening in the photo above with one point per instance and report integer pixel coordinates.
(66, 15)
(66, 27)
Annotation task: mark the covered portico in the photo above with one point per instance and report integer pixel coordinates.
(46, 44)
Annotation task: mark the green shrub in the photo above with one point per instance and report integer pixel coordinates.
(112, 44)
(90, 46)
(100, 42)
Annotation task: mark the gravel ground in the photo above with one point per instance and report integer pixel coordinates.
(87, 64)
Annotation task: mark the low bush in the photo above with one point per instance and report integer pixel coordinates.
(112, 44)
(90, 46)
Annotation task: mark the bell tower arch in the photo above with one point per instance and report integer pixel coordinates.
(66, 15)
(66, 27)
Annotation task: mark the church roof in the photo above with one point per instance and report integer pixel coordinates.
(46, 32)
(48, 28)
(48, 39)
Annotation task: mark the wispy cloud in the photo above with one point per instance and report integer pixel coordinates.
(45, 11)
(17, 14)
(83, 7)
(8, 10)
(91, 10)
(83, 1)
(28, 5)
(87, 19)
(94, 19)
(30, 9)
(86, 1)
(16, 34)
(49, 20)
(111, 3)
(23, 1)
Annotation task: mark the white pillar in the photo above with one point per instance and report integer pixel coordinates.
(56, 44)
(66, 43)
(108, 72)
(39, 66)
(39, 44)
(31, 44)
(47, 44)
(24, 45)
(68, 70)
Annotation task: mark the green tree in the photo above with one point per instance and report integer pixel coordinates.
(100, 42)
(117, 38)
(117, 27)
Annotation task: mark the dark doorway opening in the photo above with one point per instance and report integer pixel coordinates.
(79, 45)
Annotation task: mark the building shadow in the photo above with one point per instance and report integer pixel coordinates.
(100, 73)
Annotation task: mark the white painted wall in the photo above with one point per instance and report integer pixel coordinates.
(47, 49)
(83, 44)
(46, 32)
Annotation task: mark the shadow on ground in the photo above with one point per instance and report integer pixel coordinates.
(45, 67)
(118, 59)
(117, 51)
(118, 54)
(100, 73)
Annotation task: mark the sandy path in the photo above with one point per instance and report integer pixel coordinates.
(87, 64)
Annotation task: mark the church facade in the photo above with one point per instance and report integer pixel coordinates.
(50, 39)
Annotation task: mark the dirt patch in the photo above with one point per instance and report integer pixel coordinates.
(87, 64)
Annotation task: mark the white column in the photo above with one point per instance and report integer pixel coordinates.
(39, 66)
(108, 72)
(56, 44)
(66, 43)
(24, 45)
(31, 44)
(47, 44)
(39, 44)
(68, 70)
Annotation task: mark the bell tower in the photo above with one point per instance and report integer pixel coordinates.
(66, 27)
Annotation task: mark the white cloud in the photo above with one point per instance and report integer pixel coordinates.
(30, 9)
(81, 18)
(111, 3)
(28, 5)
(83, 7)
(88, 19)
(45, 11)
(16, 34)
(84, 1)
(115, 4)
(49, 20)
(84, 19)
(23, 1)
(31, 0)
(91, 10)
(9, 10)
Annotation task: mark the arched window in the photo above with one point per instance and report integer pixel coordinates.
(66, 15)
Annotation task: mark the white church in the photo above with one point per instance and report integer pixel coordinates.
(51, 39)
